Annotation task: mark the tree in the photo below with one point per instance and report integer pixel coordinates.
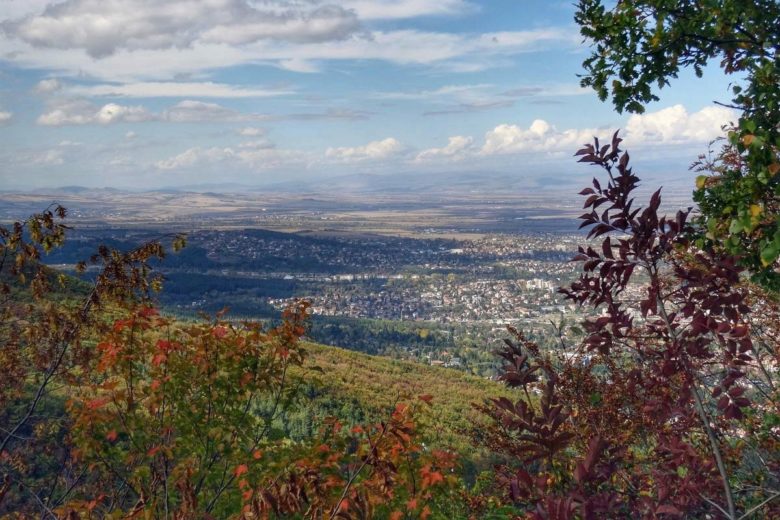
(640, 45)
(668, 407)
(109, 409)
(45, 321)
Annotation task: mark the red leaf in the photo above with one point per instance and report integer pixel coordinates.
(148, 312)
(97, 403)
(669, 510)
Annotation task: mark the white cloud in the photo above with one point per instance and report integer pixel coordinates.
(458, 147)
(375, 150)
(465, 108)
(675, 125)
(52, 157)
(194, 156)
(396, 9)
(5, 117)
(323, 23)
(47, 86)
(419, 47)
(464, 92)
(251, 131)
(256, 144)
(102, 27)
(262, 158)
(177, 89)
(78, 111)
(81, 112)
(299, 65)
(669, 126)
(539, 136)
(130, 135)
(189, 111)
(455, 51)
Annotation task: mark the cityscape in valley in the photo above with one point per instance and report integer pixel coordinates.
(434, 282)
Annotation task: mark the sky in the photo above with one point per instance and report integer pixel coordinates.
(145, 94)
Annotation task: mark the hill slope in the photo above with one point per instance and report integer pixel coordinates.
(372, 384)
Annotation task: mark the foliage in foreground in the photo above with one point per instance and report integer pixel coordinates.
(643, 44)
(670, 407)
(114, 411)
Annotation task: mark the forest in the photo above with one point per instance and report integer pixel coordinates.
(662, 406)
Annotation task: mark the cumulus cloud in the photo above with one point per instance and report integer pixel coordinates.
(675, 125)
(669, 126)
(81, 112)
(255, 158)
(5, 117)
(375, 150)
(102, 27)
(458, 147)
(47, 86)
(539, 136)
(177, 89)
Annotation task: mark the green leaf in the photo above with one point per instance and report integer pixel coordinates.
(735, 227)
(769, 254)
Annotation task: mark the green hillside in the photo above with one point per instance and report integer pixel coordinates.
(366, 387)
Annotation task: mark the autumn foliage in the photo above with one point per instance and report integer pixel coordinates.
(669, 406)
(116, 411)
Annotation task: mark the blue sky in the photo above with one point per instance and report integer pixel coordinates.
(147, 94)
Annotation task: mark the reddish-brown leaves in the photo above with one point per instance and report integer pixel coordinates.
(611, 427)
